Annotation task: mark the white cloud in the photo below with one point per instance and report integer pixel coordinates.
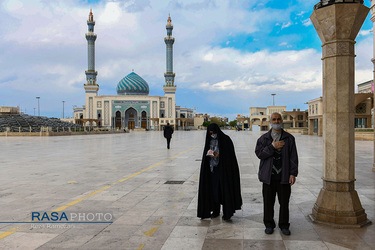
(291, 70)
(365, 32)
(44, 51)
(307, 22)
(286, 25)
(12, 5)
(111, 14)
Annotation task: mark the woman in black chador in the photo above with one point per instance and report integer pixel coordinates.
(219, 181)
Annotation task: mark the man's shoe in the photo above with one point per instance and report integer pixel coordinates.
(285, 231)
(226, 217)
(269, 230)
(214, 215)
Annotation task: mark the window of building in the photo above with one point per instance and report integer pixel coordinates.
(361, 108)
(316, 108)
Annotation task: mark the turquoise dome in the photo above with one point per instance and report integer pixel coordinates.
(132, 84)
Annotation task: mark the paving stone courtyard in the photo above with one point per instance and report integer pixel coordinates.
(126, 174)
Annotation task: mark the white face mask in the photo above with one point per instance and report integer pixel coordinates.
(276, 126)
(214, 136)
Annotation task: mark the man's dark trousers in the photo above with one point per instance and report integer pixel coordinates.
(269, 194)
(168, 142)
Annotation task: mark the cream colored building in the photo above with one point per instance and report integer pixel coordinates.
(9, 110)
(294, 119)
(243, 122)
(199, 119)
(315, 116)
(261, 116)
(184, 118)
(275, 109)
(367, 88)
(363, 103)
(258, 117)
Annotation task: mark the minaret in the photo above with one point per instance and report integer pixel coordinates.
(169, 87)
(91, 87)
(169, 75)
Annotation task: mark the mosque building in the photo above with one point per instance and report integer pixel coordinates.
(132, 107)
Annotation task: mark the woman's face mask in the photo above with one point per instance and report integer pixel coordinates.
(213, 135)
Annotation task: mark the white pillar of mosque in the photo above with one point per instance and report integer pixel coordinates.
(337, 24)
(373, 61)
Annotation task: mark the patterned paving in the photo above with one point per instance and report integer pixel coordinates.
(125, 174)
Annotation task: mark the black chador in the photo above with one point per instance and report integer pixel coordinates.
(219, 182)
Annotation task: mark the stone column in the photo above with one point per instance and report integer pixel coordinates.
(373, 61)
(337, 25)
(320, 127)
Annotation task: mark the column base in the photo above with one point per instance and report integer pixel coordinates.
(338, 206)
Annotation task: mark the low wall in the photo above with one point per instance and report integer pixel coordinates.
(359, 136)
(364, 136)
(59, 133)
(296, 130)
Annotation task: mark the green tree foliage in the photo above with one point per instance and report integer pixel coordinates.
(233, 123)
(205, 124)
(218, 121)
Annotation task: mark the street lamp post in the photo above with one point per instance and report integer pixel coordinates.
(273, 95)
(38, 105)
(63, 109)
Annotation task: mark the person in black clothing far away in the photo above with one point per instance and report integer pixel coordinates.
(278, 170)
(168, 131)
(219, 181)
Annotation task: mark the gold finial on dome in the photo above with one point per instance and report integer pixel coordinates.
(169, 18)
(91, 16)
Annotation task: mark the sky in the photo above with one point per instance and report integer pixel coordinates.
(229, 55)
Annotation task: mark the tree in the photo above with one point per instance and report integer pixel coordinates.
(218, 121)
(205, 124)
(233, 123)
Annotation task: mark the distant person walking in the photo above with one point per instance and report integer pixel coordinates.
(219, 181)
(278, 170)
(168, 131)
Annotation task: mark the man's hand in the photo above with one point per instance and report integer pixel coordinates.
(278, 144)
(292, 180)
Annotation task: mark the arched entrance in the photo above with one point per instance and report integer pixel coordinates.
(144, 119)
(118, 119)
(131, 118)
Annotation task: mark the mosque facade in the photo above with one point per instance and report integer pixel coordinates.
(132, 107)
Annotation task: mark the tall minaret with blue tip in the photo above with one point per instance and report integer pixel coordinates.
(169, 75)
(169, 87)
(91, 87)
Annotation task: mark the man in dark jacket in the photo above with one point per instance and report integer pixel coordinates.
(278, 170)
(168, 131)
(219, 181)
